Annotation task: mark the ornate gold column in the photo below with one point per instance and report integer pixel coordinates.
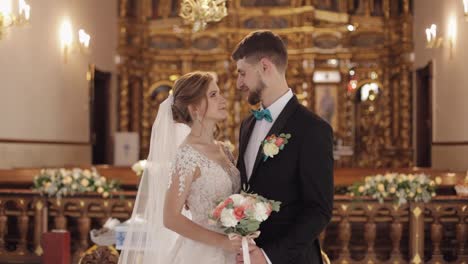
(416, 218)
(123, 8)
(124, 112)
(406, 87)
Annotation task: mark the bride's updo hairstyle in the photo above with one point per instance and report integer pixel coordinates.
(190, 89)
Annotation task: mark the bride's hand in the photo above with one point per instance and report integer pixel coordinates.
(233, 246)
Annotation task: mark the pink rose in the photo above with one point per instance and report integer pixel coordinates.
(228, 201)
(219, 209)
(217, 212)
(269, 209)
(239, 212)
(279, 142)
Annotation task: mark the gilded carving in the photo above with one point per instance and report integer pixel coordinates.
(159, 47)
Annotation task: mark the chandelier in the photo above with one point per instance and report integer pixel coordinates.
(200, 12)
(8, 18)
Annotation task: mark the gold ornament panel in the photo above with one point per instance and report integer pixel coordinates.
(156, 48)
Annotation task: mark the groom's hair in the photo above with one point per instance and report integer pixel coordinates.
(262, 44)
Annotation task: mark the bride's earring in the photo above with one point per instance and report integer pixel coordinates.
(198, 117)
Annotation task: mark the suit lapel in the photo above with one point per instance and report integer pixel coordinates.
(279, 124)
(245, 135)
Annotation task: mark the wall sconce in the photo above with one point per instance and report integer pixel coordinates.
(452, 34)
(432, 41)
(465, 7)
(67, 42)
(9, 19)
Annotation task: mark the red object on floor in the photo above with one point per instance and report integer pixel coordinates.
(56, 247)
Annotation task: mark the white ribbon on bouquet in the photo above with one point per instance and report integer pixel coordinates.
(245, 243)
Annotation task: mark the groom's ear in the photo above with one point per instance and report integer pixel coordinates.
(266, 64)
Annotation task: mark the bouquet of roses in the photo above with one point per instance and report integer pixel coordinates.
(240, 215)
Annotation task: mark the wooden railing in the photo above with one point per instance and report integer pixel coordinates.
(365, 231)
(361, 231)
(25, 215)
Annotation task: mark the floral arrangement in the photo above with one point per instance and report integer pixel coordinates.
(273, 144)
(240, 215)
(397, 186)
(462, 187)
(64, 182)
(243, 213)
(139, 167)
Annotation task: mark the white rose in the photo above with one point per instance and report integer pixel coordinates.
(380, 187)
(100, 190)
(237, 199)
(67, 180)
(136, 167)
(389, 177)
(270, 150)
(227, 218)
(105, 194)
(261, 212)
(103, 179)
(98, 183)
(76, 174)
(87, 173)
(74, 186)
(438, 180)
(392, 190)
(84, 182)
(361, 189)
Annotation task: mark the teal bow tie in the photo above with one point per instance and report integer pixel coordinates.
(263, 114)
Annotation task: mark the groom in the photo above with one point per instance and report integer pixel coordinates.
(300, 175)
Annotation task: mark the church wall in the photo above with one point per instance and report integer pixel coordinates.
(450, 80)
(44, 102)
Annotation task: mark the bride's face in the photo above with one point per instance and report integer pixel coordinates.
(215, 104)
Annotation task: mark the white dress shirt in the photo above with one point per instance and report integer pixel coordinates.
(259, 133)
(262, 127)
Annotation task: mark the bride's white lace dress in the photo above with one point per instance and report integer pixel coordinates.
(216, 181)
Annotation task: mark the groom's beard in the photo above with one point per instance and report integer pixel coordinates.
(255, 96)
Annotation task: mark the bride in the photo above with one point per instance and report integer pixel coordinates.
(186, 173)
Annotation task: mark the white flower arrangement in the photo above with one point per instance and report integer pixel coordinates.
(397, 186)
(64, 182)
(462, 187)
(139, 167)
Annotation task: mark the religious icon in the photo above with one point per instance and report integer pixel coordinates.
(326, 103)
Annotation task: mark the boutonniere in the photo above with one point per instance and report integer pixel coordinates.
(273, 144)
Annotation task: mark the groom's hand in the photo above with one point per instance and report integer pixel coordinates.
(256, 256)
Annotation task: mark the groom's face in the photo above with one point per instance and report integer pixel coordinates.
(249, 81)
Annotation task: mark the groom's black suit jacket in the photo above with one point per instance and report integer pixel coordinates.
(301, 177)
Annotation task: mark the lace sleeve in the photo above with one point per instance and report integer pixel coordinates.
(183, 169)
